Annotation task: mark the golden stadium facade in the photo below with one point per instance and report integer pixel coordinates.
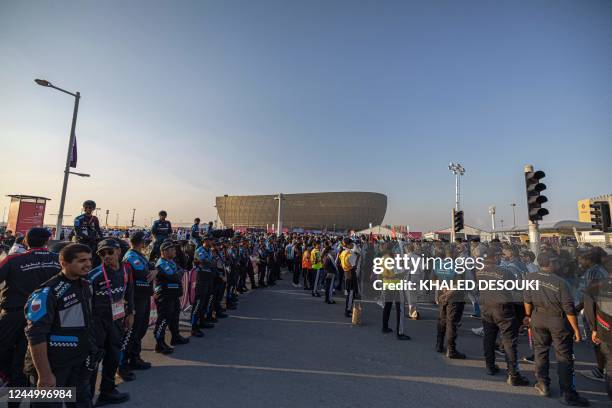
(337, 211)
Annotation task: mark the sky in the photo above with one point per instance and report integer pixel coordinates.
(182, 101)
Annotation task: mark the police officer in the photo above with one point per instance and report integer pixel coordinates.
(498, 313)
(113, 307)
(161, 230)
(205, 279)
(87, 229)
(220, 281)
(58, 327)
(551, 314)
(195, 237)
(142, 275)
(598, 310)
(168, 290)
(21, 275)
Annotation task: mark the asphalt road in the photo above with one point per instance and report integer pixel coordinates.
(284, 348)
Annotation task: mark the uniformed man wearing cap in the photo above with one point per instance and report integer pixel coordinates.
(142, 275)
(168, 290)
(161, 230)
(87, 229)
(21, 274)
(551, 314)
(205, 278)
(498, 312)
(112, 309)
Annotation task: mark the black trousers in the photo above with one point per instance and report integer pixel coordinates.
(501, 319)
(107, 335)
(218, 291)
(261, 270)
(297, 270)
(168, 312)
(351, 288)
(155, 251)
(399, 314)
(449, 316)
(13, 346)
(606, 350)
(142, 313)
(76, 376)
(562, 339)
(202, 306)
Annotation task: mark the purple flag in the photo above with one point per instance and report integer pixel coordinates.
(73, 155)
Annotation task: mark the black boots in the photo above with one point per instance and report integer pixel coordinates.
(163, 348)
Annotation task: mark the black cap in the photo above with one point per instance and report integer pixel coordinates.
(168, 243)
(37, 234)
(108, 243)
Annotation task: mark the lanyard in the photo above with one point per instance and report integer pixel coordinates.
(108, 285)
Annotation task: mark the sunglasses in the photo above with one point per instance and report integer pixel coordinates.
(105, 252)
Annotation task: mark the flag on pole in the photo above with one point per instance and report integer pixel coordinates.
(73, 154)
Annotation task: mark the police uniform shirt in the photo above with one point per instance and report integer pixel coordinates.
(552, 299)
(139, 267)
(168, 279)
(59, 313)
(161, 229)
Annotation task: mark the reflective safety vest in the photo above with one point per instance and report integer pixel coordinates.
(315, 259)
(344, 260)
(306, 260)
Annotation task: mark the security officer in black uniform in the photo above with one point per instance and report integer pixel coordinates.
(168, 290)
(113, 308)
(142, 274)
(87, 229)
(598, 310)
(551, 314)
(205, 279)
(58, 327)
(161, 230)
(21, 275)
(498, 313)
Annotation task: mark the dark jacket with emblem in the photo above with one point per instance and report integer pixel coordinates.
(59, 313)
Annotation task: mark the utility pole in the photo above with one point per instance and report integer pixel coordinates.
(117, 221)
(513, 205)
(133, 214)
(106, 222)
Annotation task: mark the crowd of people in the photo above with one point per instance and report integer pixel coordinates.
(88, 302)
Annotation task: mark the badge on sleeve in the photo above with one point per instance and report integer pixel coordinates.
(37, 305)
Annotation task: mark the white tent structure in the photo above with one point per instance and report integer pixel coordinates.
(380, 231)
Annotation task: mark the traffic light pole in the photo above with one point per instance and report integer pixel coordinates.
(534, 232)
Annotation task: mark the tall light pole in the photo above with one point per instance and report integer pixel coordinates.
(458, 170)
(133, 214)
(77, 97)
(492, 212)
(279, 222)
(513, 205)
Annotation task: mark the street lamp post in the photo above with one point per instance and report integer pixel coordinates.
(513, 205)
(77, 97)
(492, 212)
(458, 170)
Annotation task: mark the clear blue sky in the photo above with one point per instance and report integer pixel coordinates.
(186, 100)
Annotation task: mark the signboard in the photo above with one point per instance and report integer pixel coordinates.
(26, 212)
(31, 215)
(584, 210)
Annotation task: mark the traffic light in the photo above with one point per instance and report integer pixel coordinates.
(457, 220)
(534, 197)
(600, 216)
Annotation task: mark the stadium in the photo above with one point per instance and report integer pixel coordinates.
(331, 211)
